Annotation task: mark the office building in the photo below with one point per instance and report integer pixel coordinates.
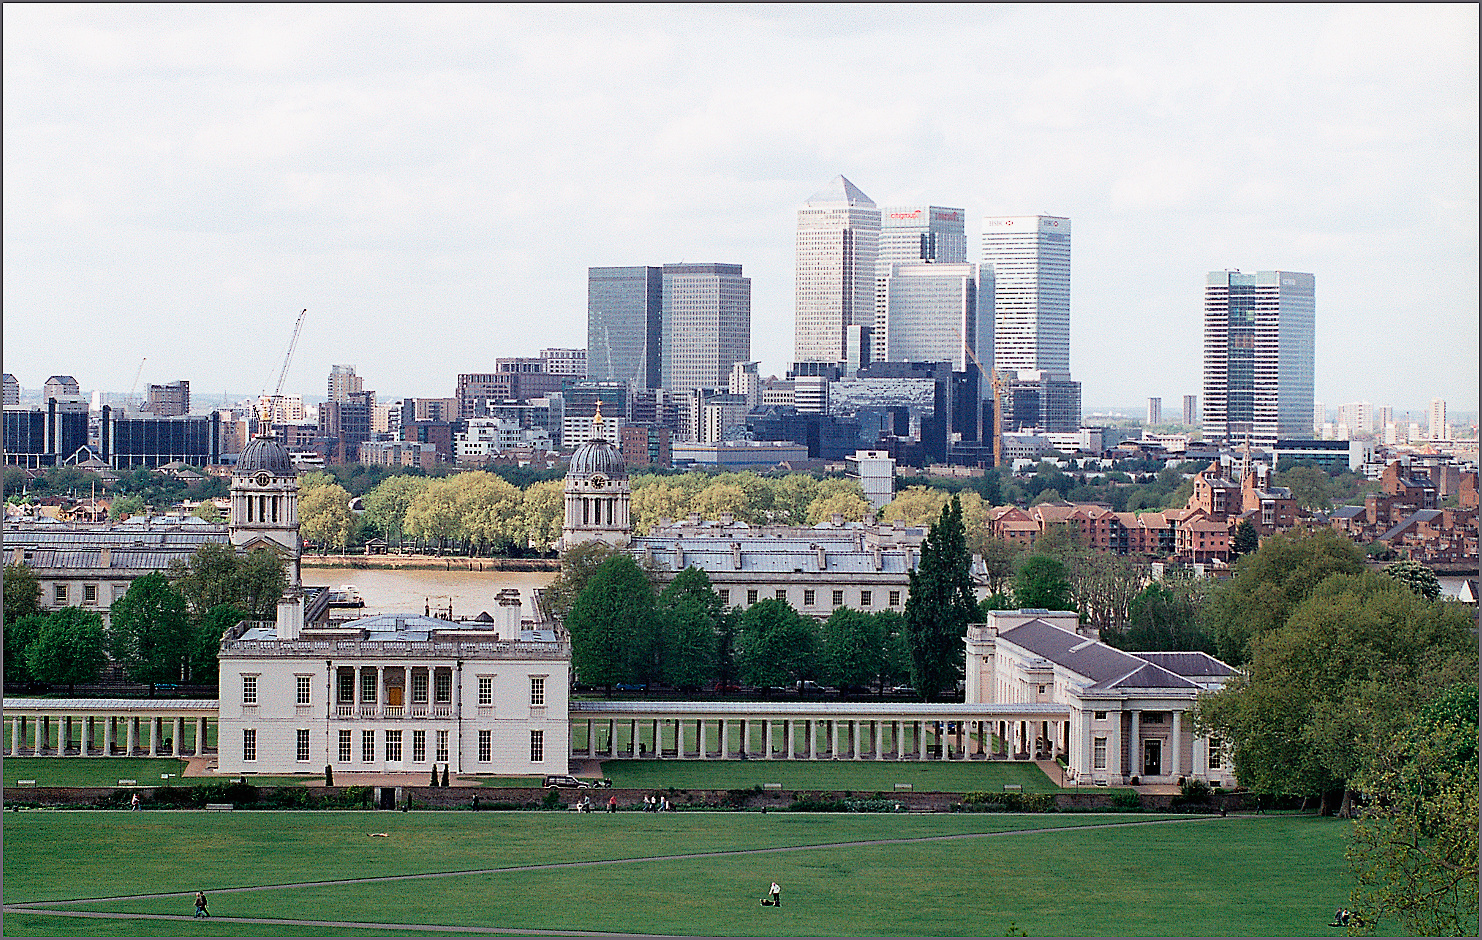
(838, 248)
(705, 324)
(1040, 399)
(60, 386)
(126, 442)
(1438, 430)
(1319, 415)
(1155, 411)
(931, 314)
(624, 325)
(565, 362)
(917, 235)
(44, 436)
(12, 391)
(1030, 260)
(167, 401)
(1258, 355)
(1191, 410)
(1357, 416)
(875, 471)
(343, 382)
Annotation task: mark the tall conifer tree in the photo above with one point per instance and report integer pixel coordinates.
(941, 605)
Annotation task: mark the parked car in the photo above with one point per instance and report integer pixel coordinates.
(558, 781)
(902, 690)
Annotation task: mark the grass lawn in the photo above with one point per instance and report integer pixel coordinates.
(91, 771)
(858, 776)
(1072, 875)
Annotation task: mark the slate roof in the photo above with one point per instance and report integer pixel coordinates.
(1107, 667)
(1188, 664)
(1346, 512)
(1411, 521)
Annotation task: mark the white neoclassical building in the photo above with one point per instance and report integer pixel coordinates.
(1128, 712)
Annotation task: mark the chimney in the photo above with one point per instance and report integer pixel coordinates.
(869, 519)
(678, 557)
(290, 616)
(727, 518)
(877, 558)
(105, 557)
(837, 518)
(820, 557)
(736, 555)
(507, 620)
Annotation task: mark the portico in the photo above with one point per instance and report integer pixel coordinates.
(108, 727)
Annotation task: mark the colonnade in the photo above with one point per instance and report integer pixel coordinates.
(67, 735)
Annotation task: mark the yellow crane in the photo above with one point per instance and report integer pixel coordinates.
(996, 430)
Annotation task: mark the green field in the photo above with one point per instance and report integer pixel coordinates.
(931, 875)
(858, 776)
(90, 771)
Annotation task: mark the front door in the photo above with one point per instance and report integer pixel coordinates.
(1152, 758)
(393, 696)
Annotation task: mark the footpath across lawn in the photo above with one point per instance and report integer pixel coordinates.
(849, 875)
(855, 776)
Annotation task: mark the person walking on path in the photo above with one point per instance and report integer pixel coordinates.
(776, 894)
(612, 804)
(134, 803)
(201, 905)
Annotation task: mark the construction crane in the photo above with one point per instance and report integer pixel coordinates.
(129, 402)
(265, 422)
(992, 376)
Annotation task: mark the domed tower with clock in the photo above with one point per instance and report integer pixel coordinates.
(264, 497)
(597, 493)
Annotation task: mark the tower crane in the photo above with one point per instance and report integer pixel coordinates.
(132, 388)
(265, 422)
(992, 376)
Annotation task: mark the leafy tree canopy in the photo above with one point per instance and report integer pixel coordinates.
(1041, 583)
(150, 634)
(1417, 577)
(22, 592)
(613, 624)
(776, 645)
(68, 647)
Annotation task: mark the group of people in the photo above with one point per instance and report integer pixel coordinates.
(586, 804)
(657, 804)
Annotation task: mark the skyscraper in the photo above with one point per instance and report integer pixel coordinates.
(623, 325)
(838, 248)
(705, 314)
(1030, 260)
(1258, 355)
(343, 382)
(1155, 411)
(1438, 430)
(1191, 410)
(931, 314)
(916, 235)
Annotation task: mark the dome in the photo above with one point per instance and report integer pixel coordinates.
(265, 453)
(596, 457)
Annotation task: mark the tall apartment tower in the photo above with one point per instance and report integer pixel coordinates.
(1259, 344)
(705, 317)
(838, 249)
(343, 382)
(1155, 411)
(1191, 411)
(168, 401)
(917, 235)
(1029, 257)
(624, 325)
(931, 314)
(1438, 429)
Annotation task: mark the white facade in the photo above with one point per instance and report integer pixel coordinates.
(875, 471)
(585, 428)
(1129, 712)
(488, 437)
(1029, 257)
(392, 694)
(1259, 347)
(564, 361)
(1438, 429)
(931, 314)
(838, 248)
(917, 235)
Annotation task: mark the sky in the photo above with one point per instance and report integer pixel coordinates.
(432, 182)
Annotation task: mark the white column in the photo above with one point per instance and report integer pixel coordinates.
(176, 736)
(879, 739)
(1175, 762)
(790, 728)
(1134, 745)
(133, 735)
(200, 736)
(591, 740)
(723, 728)
(632, 738)
(15, 735)
(834, 748)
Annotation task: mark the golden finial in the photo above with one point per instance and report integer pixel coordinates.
(597, 418)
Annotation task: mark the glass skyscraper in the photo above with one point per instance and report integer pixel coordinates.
(1029, 257)
(624, 325)
(838, 248)
(1259, 339)
(706, 317)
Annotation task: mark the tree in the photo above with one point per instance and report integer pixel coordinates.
(692, 621)
(386, 504)
(205, 643)
(1324, 688)
(22, 593)
(122, 507)
(792, 494)
(719, 498)
(324, 513)
(916, 505)
(18, 636)
(68, 648)
(1041, 583)
(217, 575)
(1417, 577)
(853, 647)
(433, 514)
(543, 513)
(1247, 539)
(150, 634)
(488, 510)
(1413, 849)
(1161, 617)
(654, 499)
(940, 605)
(1310, 486)
(207, 512)
(998, 557)
(776, 644)
(578, 564)
(1270, 583)
(847, 502)
(613, 625)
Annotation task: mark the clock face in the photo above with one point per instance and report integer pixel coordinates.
(598, 481)
(262, 478)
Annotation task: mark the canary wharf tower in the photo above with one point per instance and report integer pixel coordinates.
(837, 250)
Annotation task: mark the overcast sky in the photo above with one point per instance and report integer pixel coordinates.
(433, 182)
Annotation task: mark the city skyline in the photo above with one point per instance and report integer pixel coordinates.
(177, 173)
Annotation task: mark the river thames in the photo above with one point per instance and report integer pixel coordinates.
(414, 591)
